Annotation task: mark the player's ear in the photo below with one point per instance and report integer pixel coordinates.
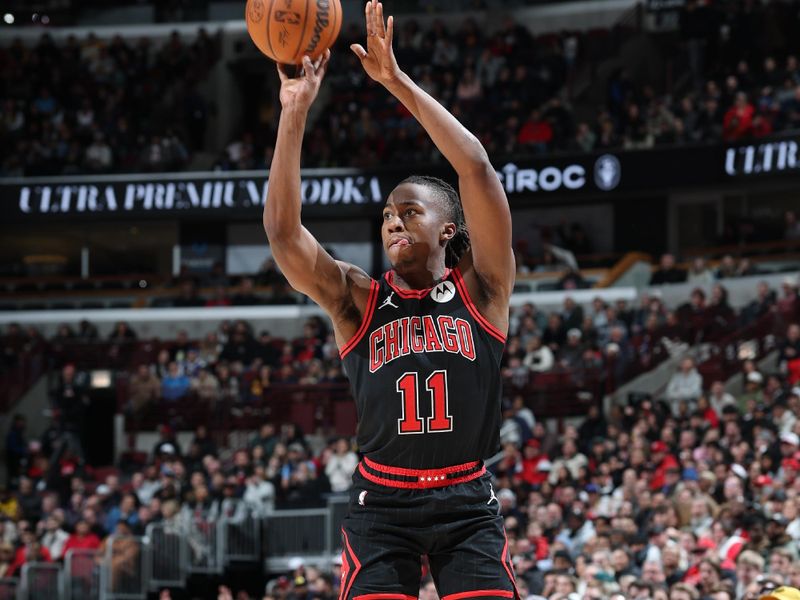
(448, 232)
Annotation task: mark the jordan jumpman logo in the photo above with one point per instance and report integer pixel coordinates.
(388, 302)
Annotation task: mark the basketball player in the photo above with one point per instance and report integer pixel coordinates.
(421, 347)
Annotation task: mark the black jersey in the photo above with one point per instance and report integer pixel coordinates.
(424, 367)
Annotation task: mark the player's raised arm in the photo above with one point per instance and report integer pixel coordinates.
(485, 204)
(305, 263)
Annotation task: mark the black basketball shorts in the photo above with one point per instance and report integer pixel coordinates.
(451, 515)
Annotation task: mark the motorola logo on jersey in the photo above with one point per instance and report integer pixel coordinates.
(443, 292)
(418, 335)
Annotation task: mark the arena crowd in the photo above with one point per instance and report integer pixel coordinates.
(692, 494)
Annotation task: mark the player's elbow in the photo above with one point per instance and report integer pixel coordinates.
(476, 161)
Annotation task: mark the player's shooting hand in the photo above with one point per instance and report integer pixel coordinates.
(301, 90)
(378, 59)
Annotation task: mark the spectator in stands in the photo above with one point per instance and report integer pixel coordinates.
(122, 333)
(246, 295)
(686, 385)
(259, 492)
(727, 267)
(340, 466)
(16, 450)
(792, 226)
(54, 538)
(538, 357)
(718, 398)
(30, 551)
(144, 388)
(760, 306)
(188, 295)
(699, 273)
(206, 386)
(667, 272)
(176, 384)
(789, 349)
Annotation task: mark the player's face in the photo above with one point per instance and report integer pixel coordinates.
(413, 226)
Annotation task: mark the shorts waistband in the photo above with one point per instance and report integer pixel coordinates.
(399, 477)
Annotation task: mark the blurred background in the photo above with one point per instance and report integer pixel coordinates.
(176, 418)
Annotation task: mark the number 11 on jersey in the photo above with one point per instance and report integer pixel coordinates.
(411, 422)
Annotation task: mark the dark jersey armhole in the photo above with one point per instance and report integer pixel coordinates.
(369, 310)
(473, 310)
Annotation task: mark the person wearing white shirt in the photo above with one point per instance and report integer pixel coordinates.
(54, 538)
(341, 465)
(686, 384)
(719, 398)
(259, 494)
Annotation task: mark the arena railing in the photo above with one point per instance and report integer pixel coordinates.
(132, 567)
(124, 572)
(9, 588)
(39, 580)
(81, 575)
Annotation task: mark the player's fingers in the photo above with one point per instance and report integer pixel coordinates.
(326, 59)
(368, 16)
(379, 22)
(282, 72)
(390, 29)
(359, 51)
(308, 66)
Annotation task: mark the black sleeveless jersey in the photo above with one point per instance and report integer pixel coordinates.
(424, 367)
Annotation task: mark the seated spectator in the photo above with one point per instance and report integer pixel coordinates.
(792, 226)
(188, 296)
(538, 357)
(246, 296)
(122, 333)
(686, 385)
(667, 272)
(699, 273)
(144, 388)
(175, 385)
(206, 386)
(727, 267)
(340, 466)
(31, 551)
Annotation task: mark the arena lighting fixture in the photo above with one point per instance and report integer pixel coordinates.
(8, 18)
(100, 379)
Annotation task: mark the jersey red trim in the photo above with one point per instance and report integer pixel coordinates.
(416, 294)
(473, 310)
(506, 564)
(356, 564)
(418, 485)
(372, 300)
(384, 597)
(420, 472)
(479, 594)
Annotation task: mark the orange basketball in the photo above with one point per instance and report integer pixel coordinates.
(286, 30)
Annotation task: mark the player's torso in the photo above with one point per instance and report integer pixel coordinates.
(425, 373)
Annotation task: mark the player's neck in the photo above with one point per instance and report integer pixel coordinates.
(419, 279)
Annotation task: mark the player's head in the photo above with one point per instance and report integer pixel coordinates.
(426, 212)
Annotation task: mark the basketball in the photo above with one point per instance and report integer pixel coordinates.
(286, 30)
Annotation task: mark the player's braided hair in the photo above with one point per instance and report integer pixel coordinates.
(451, 203)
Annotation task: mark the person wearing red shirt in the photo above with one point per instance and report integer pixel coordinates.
(536, 133)
(30, 551)
(662, 461)
(738, 121)
(82, 538)
(532, 457)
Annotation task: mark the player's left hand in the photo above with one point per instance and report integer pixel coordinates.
(378, 59)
